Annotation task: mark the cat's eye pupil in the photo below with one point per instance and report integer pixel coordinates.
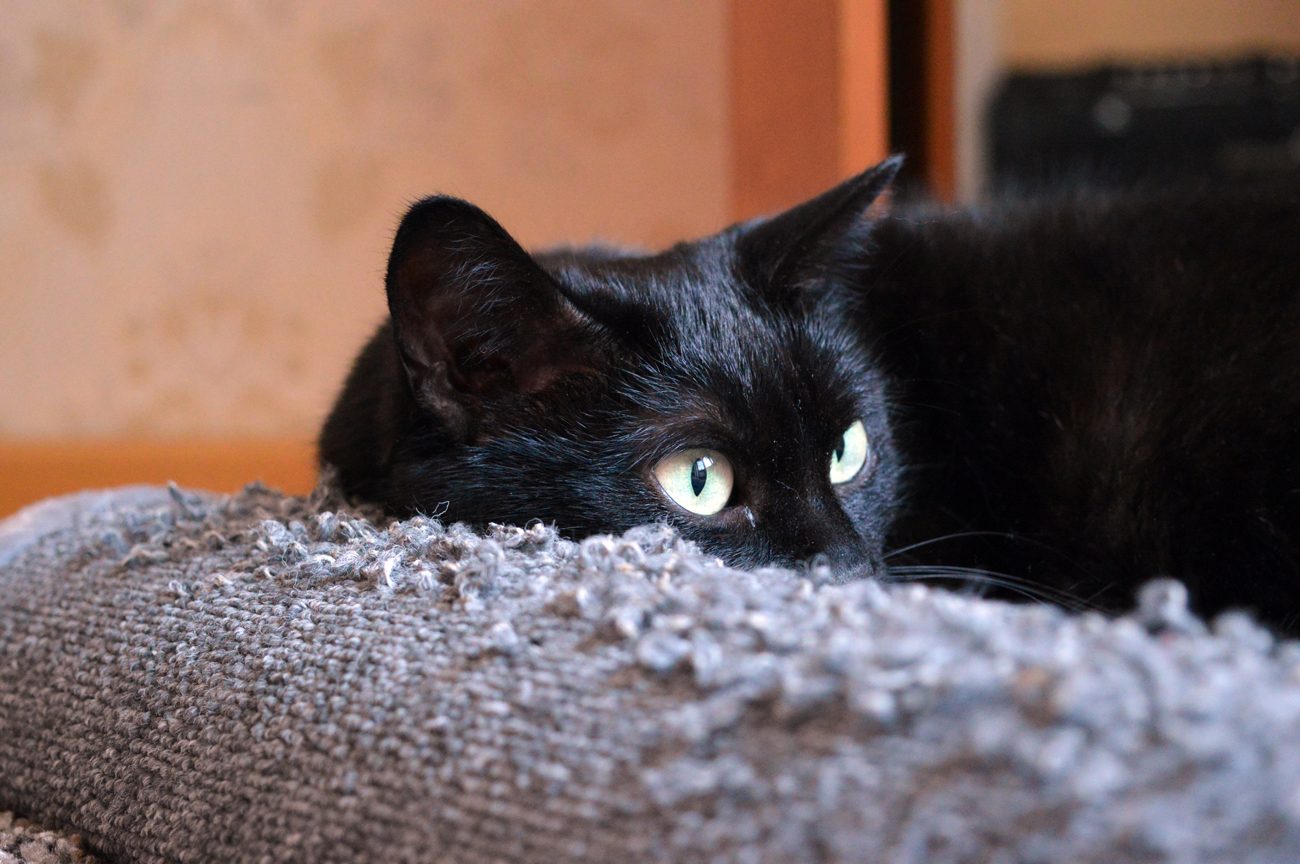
(700, 474)
(839, 449)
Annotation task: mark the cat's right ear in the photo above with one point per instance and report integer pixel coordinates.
(475, 318)
(775, 252)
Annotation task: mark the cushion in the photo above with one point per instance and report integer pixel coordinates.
(187, 677)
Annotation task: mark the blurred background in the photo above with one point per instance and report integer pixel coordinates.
(196, 198)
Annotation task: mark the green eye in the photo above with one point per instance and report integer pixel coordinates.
(850, 454)
(699, 480)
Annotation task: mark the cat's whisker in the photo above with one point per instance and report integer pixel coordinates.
(1048, 548)
(972, 576)
(942, 408)
(902, 550)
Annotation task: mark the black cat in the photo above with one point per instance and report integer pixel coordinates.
(1085, 392)
(719, 386)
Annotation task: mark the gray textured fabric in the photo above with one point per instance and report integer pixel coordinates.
(186, 678)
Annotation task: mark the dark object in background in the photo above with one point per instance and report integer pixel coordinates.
(1161, 124)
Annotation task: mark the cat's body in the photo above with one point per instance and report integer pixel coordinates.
(1092, 392)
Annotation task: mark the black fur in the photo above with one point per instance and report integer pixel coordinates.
(1099, 390)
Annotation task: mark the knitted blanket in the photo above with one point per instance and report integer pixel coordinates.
(186, 677)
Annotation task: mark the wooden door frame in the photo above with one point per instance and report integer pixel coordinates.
(811, 95)
(808, 97)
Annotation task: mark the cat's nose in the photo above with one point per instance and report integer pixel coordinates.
(821, 533)
(855, 571)
(849, 567)
(848, 560)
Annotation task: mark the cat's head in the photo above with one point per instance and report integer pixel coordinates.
(717, 386)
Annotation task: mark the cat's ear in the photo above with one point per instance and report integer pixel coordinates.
(474, 316)
(773, 252)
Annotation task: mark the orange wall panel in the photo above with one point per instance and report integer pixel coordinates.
(808, 97)
(34, 470)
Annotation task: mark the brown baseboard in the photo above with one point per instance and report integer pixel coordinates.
(30, 471)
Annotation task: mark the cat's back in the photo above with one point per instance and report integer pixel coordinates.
(1109, 385)
(1102, 250)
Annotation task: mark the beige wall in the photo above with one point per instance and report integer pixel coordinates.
(1046, 33)
(196, 198)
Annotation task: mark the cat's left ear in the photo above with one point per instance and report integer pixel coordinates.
(475, 318)
(774, 252)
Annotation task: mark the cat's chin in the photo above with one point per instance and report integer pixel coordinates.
(820, 568)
